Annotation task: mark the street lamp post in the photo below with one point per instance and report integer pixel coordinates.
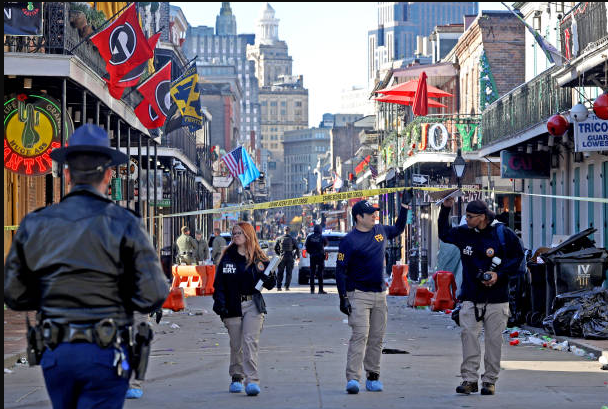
(459, 169)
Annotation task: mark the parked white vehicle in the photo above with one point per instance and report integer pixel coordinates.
(331, 255)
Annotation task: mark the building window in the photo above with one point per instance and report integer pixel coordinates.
(298, 103)
(283, 112)
(273, 103)
(283, 103)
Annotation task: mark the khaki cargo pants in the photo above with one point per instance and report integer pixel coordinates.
(244, 335)
(494, 323)
(368, 323)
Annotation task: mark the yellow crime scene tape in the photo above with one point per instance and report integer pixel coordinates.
(332, 197)
(355, 194)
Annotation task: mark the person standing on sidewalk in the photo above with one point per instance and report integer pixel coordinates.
(362, 290)
(285, 247)
(484, 292)
(218, 246)
(241, 306)
(315, 247)
(186, 246)
(85, 264)
(201, 251)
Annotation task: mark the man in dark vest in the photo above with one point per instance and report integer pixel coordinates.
(285, 247)
(315, 246)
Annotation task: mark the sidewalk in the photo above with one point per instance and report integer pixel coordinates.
(15, 343)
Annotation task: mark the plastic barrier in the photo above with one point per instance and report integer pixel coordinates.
(399, 285)
(423, 297)
(175, 301)
(210, 279)
(193, 279)
(444, 298)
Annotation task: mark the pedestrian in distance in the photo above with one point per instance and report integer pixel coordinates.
(201, 252)
(315, 247)
(487, 261)
(186, 247)
(85, 264)
(286, 248)
(241, 306)
(362, 290)
(218, 246)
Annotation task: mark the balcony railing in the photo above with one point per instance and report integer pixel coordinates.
(590, 27)
(527, 105)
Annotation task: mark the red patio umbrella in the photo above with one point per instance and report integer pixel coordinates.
(405, 100)
(409, 89)
(421, 103)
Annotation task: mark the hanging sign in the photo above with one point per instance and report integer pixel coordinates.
(31, 131)
(591, 135)
(520, 165)
(22, 18)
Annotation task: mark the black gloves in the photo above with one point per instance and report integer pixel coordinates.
(407, 196)
(269, 281)
(220, 309)
(345, 305)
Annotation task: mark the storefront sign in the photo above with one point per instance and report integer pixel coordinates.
(116, 189)
(591, 135)
(222, 181)
(22, 18)
(519, 165)
(32, 129)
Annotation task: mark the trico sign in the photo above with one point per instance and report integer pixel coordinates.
(32, 129)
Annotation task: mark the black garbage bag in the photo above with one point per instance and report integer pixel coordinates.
(563, 316)
(519, 299)
(582, 313)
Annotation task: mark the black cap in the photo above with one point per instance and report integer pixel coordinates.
(477, 207)
(362, 207)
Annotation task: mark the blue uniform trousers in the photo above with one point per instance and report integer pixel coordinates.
(81, 375)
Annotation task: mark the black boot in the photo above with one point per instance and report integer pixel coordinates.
(467, 387)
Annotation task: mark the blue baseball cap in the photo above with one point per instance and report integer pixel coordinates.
(90, 138)
(362, 207)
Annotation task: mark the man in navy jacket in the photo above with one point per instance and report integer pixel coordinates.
(485, 288)
(362, 290)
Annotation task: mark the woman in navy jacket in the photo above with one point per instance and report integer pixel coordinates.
(240, 305)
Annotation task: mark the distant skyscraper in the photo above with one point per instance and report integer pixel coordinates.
(217, 54)
(399, 24)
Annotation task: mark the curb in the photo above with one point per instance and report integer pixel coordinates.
(597, 351)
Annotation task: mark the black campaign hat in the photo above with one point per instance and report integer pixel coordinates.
(89, 138)
(362, 207)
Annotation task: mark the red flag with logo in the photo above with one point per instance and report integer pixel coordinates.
(131, 78)
(123, 45)
(153, 110)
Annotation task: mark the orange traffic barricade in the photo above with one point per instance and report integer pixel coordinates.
(423, 297)
(191, 278)
(175, 301)
(445, 291)
(210, 269)
(399, 285)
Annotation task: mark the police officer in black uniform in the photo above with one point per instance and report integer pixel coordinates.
(85, 264)
(285, 247)
(315, 246)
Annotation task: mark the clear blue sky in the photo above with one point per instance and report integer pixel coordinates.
(327, 41)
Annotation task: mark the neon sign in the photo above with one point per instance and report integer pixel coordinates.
(31, 131)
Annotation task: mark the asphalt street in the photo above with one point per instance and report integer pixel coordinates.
(303, 356)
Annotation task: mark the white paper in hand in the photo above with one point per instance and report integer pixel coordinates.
(274, 262)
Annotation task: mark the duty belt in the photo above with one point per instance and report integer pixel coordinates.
(246, 298)
(103, 333)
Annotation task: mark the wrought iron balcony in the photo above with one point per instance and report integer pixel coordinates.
(590, 28)
(525, 106)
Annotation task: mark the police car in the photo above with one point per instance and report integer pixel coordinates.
(331, 254)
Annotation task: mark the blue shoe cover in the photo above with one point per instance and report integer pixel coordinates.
(252, 389)
(134, 393)
(236, 387)
(352, 386)
(373, 386)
